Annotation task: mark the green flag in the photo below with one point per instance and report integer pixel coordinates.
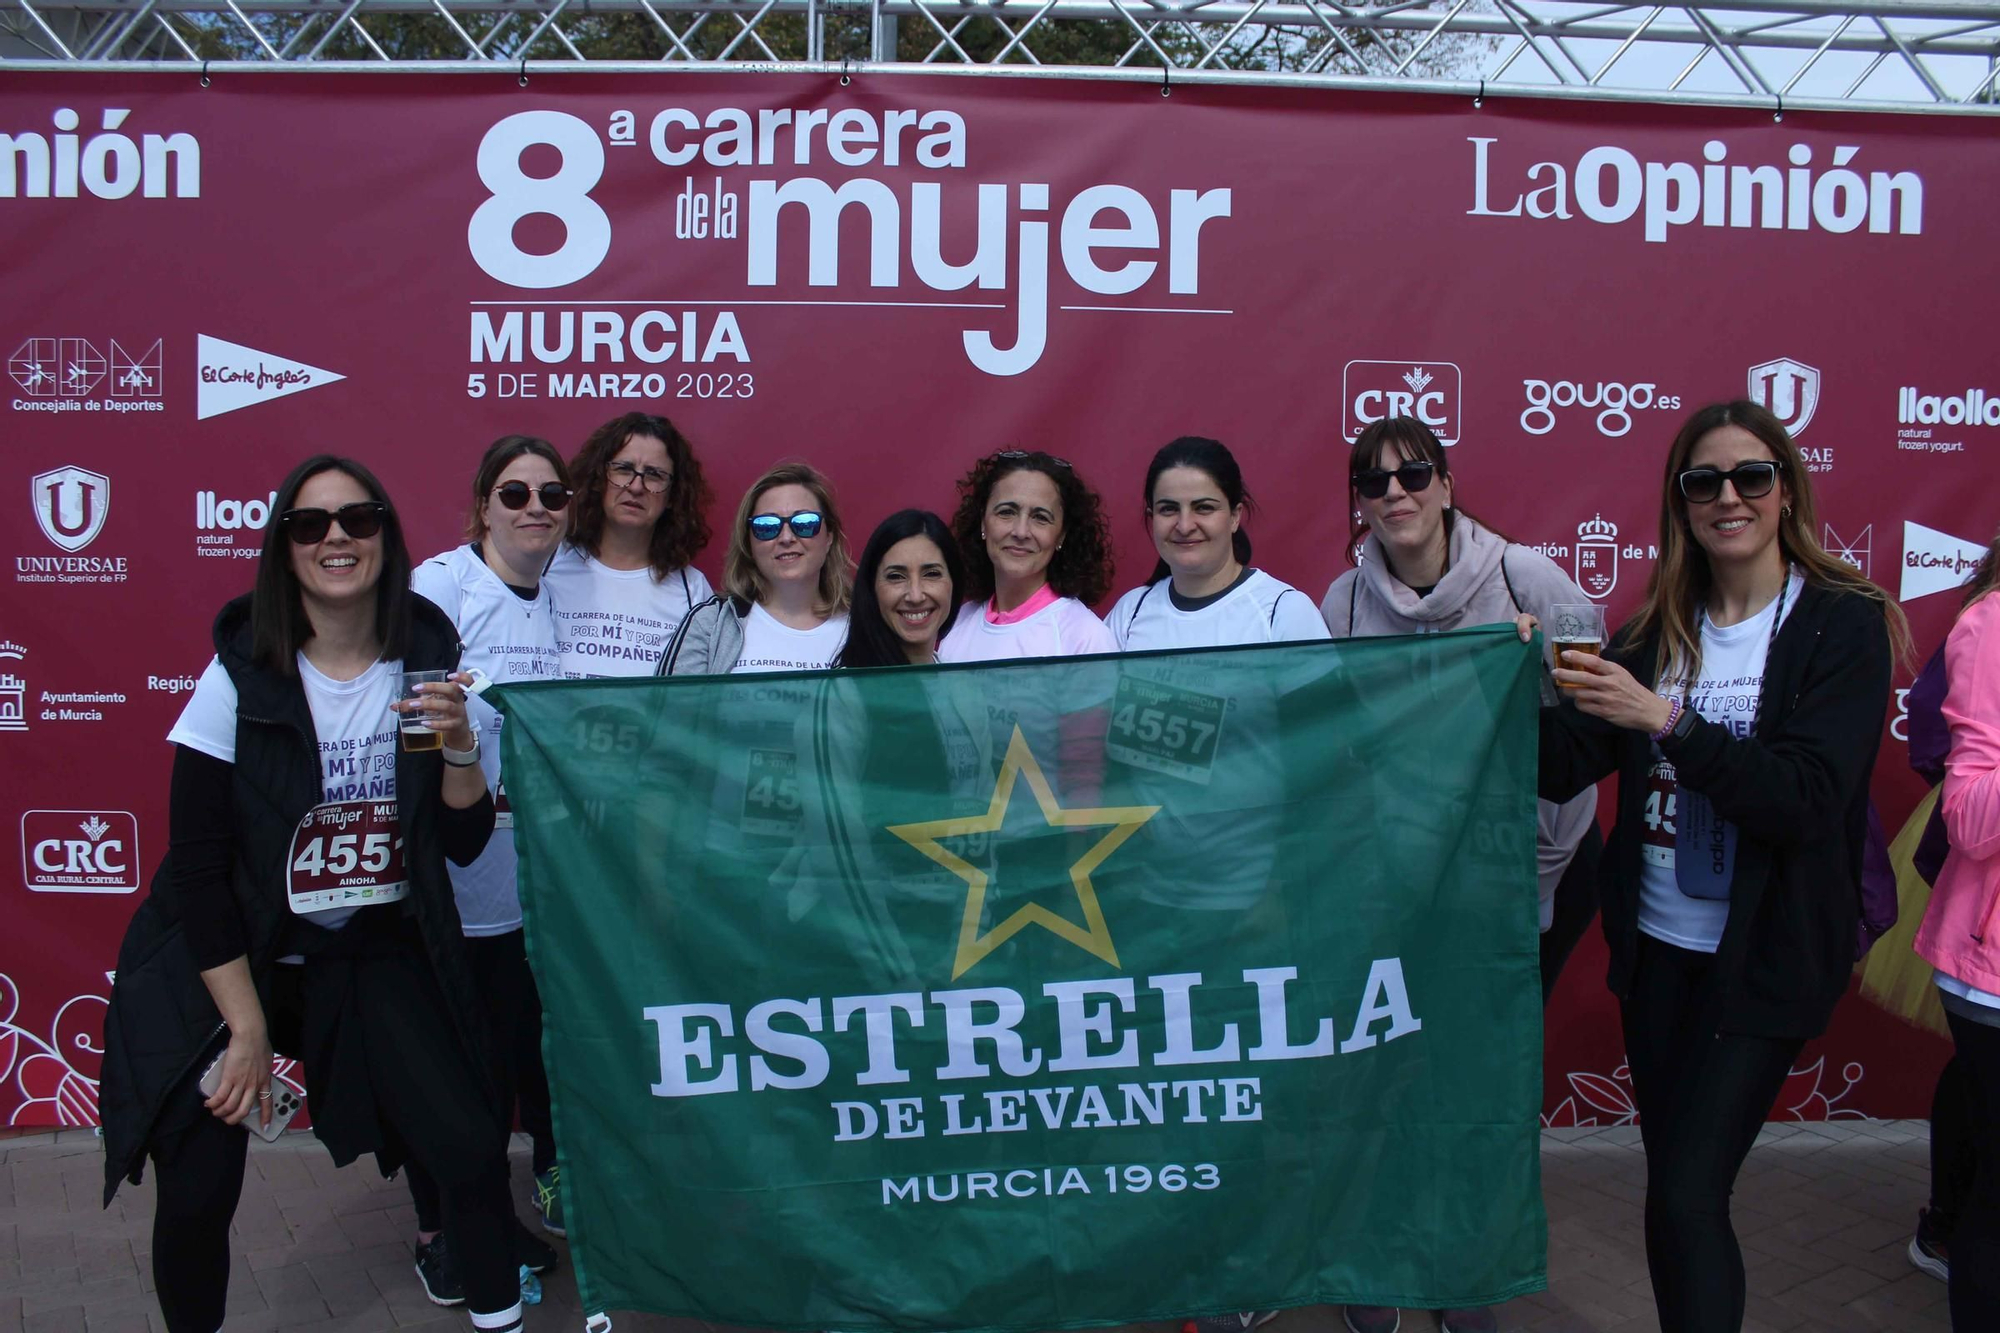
(1042, 995)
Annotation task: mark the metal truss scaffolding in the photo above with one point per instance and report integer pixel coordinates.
(1928, 55)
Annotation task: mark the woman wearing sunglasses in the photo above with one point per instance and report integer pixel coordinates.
(625, 579)
(1426, 566)
(291, 800)
(1960, 936)
(785, 585)
(1741, 709)
(1037, 554)
(492, 589)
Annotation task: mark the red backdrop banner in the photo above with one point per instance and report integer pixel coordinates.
(890, 278)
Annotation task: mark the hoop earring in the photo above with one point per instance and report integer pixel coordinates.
(1785, 511)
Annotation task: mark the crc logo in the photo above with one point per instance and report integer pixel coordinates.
(1426, 390)
(80, 851)
(1788, 389)
(1856, 551)
(70, 504)
(1615, 402)
(1597, 557)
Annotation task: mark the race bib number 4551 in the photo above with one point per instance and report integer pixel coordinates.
(346, 854)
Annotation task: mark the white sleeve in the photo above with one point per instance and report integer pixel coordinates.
(208, 723)
(1122, 615)
(1293, 616)
(1088, 633)
(697, 586)
(433, 581)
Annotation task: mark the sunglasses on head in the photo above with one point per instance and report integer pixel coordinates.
(1703, 485)
(514, 494)
(1011, 454)
(360, 520)
(1373, 483)
(805, 525)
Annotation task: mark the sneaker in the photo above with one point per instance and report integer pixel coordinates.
(1241, 1322)
(548, 1200)
(1929, 1250)
(1371, 1319)
(438, 1274)
(531, 1251)
(1471, 1319)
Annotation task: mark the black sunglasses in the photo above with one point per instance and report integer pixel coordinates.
(805, 525)
(360, 520)
(1702, 485)
(1373, 483)
(514, 494)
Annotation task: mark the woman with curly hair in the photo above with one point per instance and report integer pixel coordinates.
(1037, 553)
(625, 579)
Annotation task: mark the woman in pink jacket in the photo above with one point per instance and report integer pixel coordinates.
(1961, 931)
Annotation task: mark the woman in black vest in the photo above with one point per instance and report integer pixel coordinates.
(1741, 708)
(303, 904)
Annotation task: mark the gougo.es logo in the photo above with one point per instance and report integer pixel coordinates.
(1614, 402)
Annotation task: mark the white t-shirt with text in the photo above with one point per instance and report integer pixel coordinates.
(509, 637)
(351, 844)
(771, 645)
(616, 622)
(1731, 683)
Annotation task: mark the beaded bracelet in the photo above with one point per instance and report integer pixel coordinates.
(1673, 716)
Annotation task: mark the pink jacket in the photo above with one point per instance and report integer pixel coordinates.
(1960, 936)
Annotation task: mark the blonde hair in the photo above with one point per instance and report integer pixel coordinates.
(739, 566)
(1681, 579)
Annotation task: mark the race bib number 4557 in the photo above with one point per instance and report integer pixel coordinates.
(1165, 729)
(346, 854)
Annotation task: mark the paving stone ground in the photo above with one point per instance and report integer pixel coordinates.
(1824, 1212)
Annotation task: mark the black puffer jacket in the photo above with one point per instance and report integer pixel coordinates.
(161, 1021)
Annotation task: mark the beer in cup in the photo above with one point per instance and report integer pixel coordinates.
(1576, 629)
(416, 734)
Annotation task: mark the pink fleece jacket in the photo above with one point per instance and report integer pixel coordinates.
(1960, 936)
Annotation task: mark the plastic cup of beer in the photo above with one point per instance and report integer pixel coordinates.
(417, 735)
(1577, 628)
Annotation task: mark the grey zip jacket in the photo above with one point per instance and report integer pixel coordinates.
(1490, 582)
(709, 640)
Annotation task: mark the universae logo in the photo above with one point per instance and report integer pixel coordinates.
(1788, 389)
(70, 504)
(1426, 390)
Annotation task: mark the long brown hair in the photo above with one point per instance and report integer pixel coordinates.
(1985, 575)
(1681, 579)
(682, 528)
(739, 567)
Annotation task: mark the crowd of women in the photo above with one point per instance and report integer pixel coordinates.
(1740, 708)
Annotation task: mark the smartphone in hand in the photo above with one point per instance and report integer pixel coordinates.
(284, 1103)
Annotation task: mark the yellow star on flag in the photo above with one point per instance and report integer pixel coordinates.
(1094, 936)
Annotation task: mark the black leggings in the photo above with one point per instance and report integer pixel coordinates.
(513, 1009)
(1702, 1096)
(427, 1106)
(1975, 1238)
(198, 1175)
(1953, 1159)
